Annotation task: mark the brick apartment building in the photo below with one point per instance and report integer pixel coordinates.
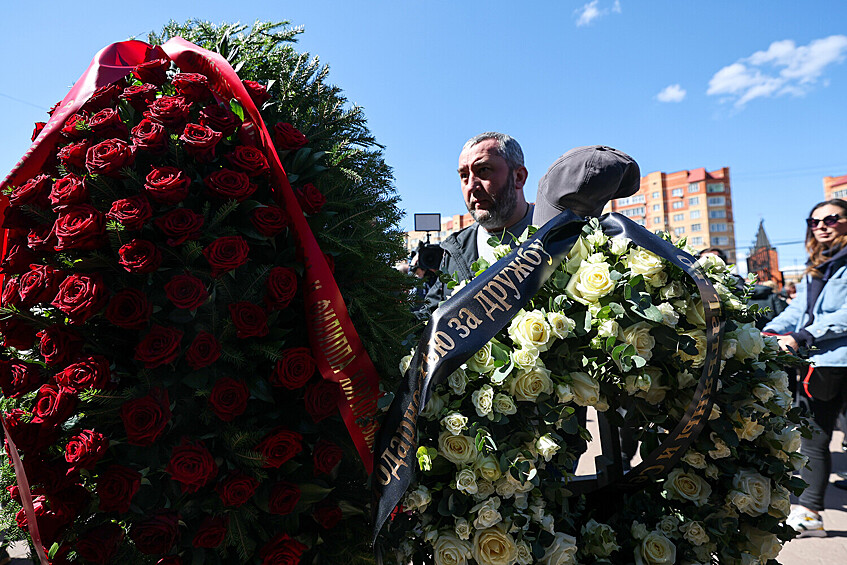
(449, 225)
(835, 187)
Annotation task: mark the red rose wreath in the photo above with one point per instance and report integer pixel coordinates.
(159, 390)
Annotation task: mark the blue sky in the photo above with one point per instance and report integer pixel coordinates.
(758, 87)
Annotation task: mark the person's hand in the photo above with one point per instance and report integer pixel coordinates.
(787, 343)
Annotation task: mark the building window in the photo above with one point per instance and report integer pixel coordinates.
(717, 201)
(657, 220)
(640, 221)
(657, 207)
(839, 193)
(655, 195)
(694, 201)
(695, 241)
(694, 187)
(678, 217)
(676, 192)
(718, 227)
(679, 231)
(678, 204)
(694, 214)
(717, 214)
(696, 227)
(634, 212)
(720, 240)
(637, 199)
(714, 187)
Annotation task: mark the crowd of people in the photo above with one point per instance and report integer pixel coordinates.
(809, 319)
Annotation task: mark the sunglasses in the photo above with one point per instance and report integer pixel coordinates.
(828, 221)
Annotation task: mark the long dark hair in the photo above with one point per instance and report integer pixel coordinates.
(816, 248)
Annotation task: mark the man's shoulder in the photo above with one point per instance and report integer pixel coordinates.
(462, 236)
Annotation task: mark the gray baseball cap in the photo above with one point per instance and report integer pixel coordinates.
(583, 180)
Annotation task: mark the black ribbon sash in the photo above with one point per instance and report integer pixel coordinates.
(468, 320)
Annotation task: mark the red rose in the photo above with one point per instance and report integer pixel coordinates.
(81, 296)
(107, 124)
(200, 141)
(192, 466)
(167, 185)
(203, 351)
(280, 446)
(53, 405)
(327, 514)
(248, 159)
(17, 333)
(116, 486)
(36, 131)
(180, 225)
(192, 86)
(35, 191)
(220, 118)
(170, 111)
(51, 515)
(287, 136)
(104, 96)
(140, 256)
(109, 157)
(42, 238)
(186, 291)
(70, 189)
(250, 319)
(59, 344)
(145, 418)
(76, 126)
(310, 198)
(258, 92)
(150, 136)
(269, 220)
(159, 347)
(236, 489)
(294, 369)
(91, 372)
(132, 213)
(85, 449)
(18, 378)
(11, 295)
(211, 532)
(139, 96)
(280, 287)
(39, 284)
(321, 399)
(282, 550)
(18, 257)
(129, 308)
(154, 72)
(30, 437)
(226, 254)
(80, 226)
(230, 185)
(326, 457)
(229, 398)
(156, 535)
(100, 544)
(73, 155)
(284, 498)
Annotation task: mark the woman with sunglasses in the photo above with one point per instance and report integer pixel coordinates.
(818, 317)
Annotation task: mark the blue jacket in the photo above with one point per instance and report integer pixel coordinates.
(829, 328)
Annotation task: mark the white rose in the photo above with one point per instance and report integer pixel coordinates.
(638, 530)
(789, 438)
(728, 348)
(670, 317)
(576, 255)
(505, 488)
(763, 392)
(450, 550)
(591, 282)
(712, 471)
(711, 263)
(694, 533)
(455, 423)
(668, 525)
(674, 289)
(655, 549)
(695, 314)
(599, 539)
(608, 328)
(560, 325)
(597, 238)
(780, 506)
(750, 342)
(757, 487)
(494, 546)
(779, 380)
(417, 499)
(524, 554)
(546, 446)
(504, 404)
(488, 468)
(530, 329)
(433, 407)
(459, 450)
(749, 429)
(699, 337)
(715, 413)
(404, 363)
(483, 400)
(501, 250)
(564, 393)
(639, 336)
(721, 449)
(463, 529)
(466, 481)
(458, 380)
(603, 404)
(482, 361)
(764, 545)
(525, 357)
(529, 385)
(642, 262)
(685, 379)
(586, 390)
(561, 551)
(797, 461)
(687, 486)
(618, 245)
(487, 513)
(658, 280)
(695, 459)
(484, 490)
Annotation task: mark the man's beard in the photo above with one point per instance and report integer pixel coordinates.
(502, 207)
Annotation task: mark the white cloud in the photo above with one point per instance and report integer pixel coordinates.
(591, 11)
(784, 68)
(672, 93)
